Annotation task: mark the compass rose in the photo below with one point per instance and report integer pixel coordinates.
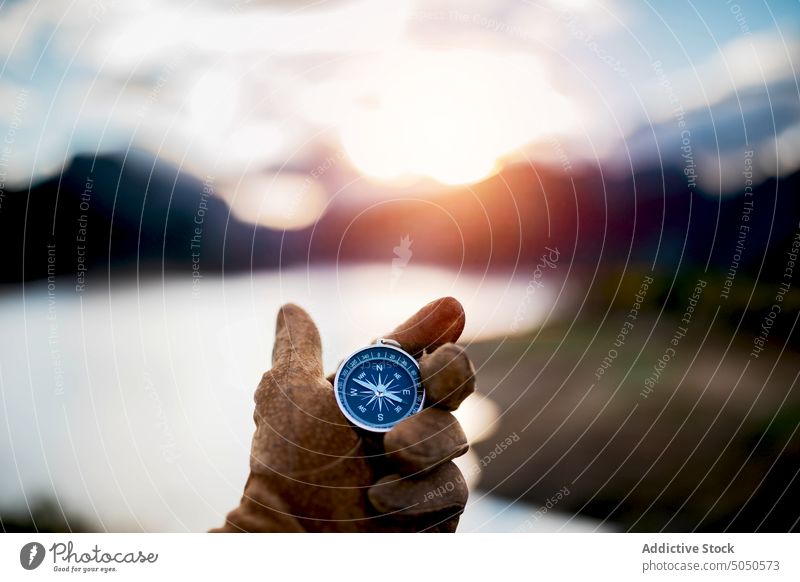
(377, 392)
(378, 386)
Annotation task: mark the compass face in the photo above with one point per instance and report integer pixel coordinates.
(378, 386)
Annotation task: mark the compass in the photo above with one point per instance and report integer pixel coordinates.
(378, 386)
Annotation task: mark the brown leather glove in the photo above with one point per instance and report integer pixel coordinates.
(311, 470)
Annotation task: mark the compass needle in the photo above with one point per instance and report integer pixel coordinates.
(365, 384)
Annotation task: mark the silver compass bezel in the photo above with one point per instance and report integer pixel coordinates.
(389, 345)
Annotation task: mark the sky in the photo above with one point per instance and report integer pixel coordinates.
(260, 94)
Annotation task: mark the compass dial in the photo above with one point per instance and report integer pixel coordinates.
(378, 386)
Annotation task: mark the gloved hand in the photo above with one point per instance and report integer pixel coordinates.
(311, 470)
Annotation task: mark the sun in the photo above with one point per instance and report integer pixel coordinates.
(452, 116)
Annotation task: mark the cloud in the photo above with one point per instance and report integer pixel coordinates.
(243, 89)
(751, 61)
(200, 84)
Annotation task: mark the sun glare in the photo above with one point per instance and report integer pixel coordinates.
(285, 201)
(450, 115)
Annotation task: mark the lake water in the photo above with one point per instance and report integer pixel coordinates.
(131, 403)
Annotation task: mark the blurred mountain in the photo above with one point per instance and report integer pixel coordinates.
(139, 214)
(119, 215)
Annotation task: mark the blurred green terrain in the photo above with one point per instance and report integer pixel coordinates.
(713, 444)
